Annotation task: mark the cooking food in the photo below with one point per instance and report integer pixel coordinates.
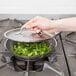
(31, 49)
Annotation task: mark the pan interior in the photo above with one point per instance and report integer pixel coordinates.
(9, 45)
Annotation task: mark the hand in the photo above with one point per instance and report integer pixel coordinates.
(41, 24)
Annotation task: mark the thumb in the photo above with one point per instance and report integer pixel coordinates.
(22, 27)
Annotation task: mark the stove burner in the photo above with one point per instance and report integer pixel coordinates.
(33, 65)
(27, 66)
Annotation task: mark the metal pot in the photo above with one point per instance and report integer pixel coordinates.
(29, 36)
(8, 44)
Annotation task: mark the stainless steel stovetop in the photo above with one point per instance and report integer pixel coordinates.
(65, 60)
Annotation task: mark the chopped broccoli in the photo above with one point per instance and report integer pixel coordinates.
(31, 49)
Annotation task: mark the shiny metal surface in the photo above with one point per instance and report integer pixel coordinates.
(25, 36)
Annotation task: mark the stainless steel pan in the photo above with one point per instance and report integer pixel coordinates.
(28, 36)
(9, 46)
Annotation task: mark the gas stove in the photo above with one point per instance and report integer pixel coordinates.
(55, 65)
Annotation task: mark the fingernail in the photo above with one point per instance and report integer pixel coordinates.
(37, 31)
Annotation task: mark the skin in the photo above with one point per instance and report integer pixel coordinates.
(43, 24)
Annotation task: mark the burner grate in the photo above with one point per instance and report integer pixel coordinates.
(71, 37)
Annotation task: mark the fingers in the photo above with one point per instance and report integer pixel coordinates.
(32, 27)
(30, 23)
(39, 23)
(37, 29)
(28, 26)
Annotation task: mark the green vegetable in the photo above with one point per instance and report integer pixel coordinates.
(31, 49)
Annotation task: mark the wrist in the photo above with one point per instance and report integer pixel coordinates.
(56, 25)
(59, 25)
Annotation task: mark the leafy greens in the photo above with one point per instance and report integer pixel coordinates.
(31, 49)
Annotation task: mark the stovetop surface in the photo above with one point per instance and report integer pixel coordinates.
(70, 50)
(60, 64)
